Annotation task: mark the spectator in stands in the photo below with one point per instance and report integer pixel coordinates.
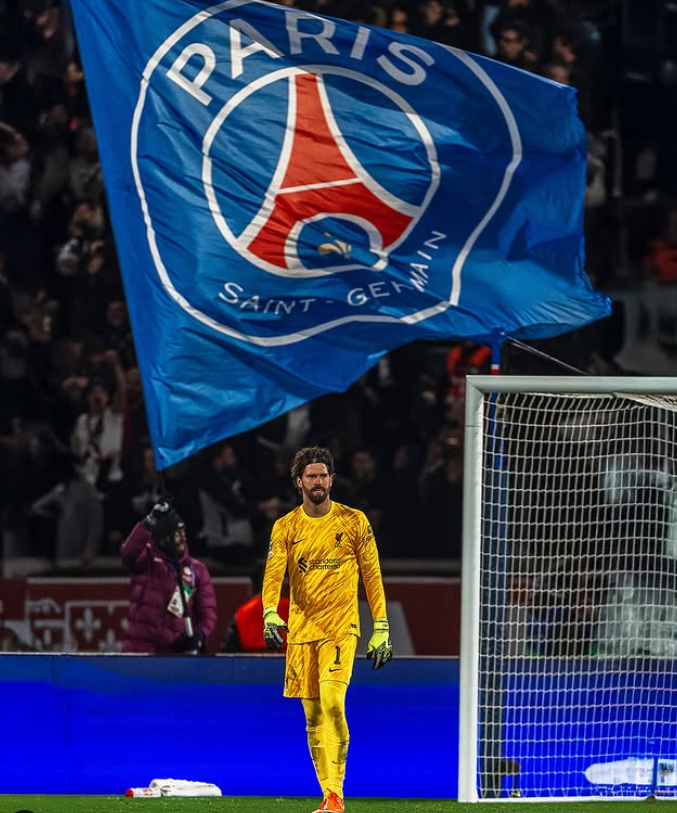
(97, 443)
(431, 14)
(402, 508)
(512, 45)
(77, 509)
(463, 359)
(15, 171)
(69, 376)
(19, 464)
(398, 20)
(86, 182)
(144, 484)
(85, 226)
(23, 391)
(661, 261)
(17, 101)
(368, 488)
(587, 73)
(442, 492)
(135, 435)
(76, 96)
(227, 506)
(97, 436)
(88, 292)
(167, 582)
(52, 144)
(450, 23)
(538, 20)
(117, 333)
(245, 631)
(275, 482)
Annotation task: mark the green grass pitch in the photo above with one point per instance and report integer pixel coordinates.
(225, 804)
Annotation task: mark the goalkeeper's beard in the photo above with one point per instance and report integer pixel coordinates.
(316, 495)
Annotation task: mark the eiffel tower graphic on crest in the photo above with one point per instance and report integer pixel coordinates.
(318, 176)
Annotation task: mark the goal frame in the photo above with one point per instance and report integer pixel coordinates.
(478, 389)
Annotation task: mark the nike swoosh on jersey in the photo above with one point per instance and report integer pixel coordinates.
(297, 542)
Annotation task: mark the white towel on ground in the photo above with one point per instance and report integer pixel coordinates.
(185, 787)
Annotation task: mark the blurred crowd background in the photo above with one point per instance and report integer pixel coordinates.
(76, 467)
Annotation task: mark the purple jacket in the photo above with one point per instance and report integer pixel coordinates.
(152, 627)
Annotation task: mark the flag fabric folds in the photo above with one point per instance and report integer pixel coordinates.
(292, 196)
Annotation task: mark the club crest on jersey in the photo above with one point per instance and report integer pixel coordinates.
(288, 163)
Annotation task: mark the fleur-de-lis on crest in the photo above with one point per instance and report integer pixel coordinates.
(337, 247)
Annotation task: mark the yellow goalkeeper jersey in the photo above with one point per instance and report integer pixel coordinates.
(324, 557)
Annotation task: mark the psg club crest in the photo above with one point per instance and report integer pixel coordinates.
(293, 196)
(293, 176)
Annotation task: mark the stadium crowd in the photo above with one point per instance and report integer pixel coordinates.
(76, 467)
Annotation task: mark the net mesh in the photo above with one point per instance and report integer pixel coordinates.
(578, 629)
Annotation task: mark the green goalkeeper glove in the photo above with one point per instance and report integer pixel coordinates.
(380, 648)
(272, 624)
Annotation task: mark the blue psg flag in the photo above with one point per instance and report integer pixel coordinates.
(292, 196)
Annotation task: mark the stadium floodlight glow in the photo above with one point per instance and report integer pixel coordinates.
(569, 607)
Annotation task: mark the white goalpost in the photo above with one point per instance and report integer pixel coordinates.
(569, 584)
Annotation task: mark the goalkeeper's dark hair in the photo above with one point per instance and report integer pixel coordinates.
(310, 454)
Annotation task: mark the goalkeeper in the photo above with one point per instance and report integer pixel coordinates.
(325, 546)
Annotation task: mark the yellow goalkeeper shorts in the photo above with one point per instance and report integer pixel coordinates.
(309, 664)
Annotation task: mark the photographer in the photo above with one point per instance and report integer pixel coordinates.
(156, 556)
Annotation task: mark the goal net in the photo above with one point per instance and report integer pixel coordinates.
(569, 627)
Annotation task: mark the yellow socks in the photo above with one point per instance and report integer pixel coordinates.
(316, 745)
(336, 735)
